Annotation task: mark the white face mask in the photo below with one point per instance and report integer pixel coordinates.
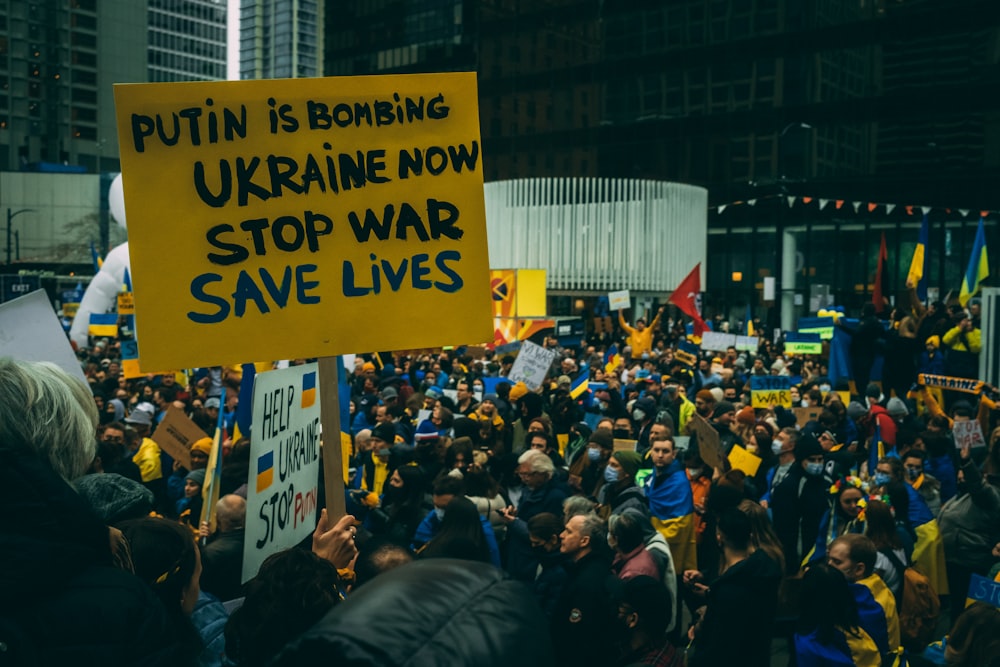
(824, 388)
(776, 447)
(638, 415)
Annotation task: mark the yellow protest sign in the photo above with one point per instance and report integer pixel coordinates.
(126, 304)
(741, 459)
(304, 217)
(770, 390)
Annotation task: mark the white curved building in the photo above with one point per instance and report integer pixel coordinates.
(598, 234)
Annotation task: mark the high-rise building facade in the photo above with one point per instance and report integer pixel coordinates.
(772, 102)
(58, 62)
(281, 39)
(187, 40)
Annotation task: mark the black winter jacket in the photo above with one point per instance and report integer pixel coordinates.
(432, 612)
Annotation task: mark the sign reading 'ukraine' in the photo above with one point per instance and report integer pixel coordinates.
(284, 460)
(296, 208)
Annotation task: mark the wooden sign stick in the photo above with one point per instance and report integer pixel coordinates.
(333, 462)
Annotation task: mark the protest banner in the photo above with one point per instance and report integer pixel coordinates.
(30, 331)
(817, 325)
(805, 415)
(717, 342)
(284, 462)
(967, 385)
(624, 445)
(620, 300)
(982, 589)
(709, 447)
(531, 365)
(770, 390)
(295, 208)
(968, 433)
(175, 435)
(741, 459)
(747, 343)
(798, 342)
(682, 442)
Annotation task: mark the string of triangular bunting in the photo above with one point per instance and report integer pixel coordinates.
(839, 204)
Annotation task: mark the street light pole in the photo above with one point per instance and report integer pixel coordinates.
(10, 219)
(785, 275)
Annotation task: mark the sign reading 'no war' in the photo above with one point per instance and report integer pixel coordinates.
(319, 214)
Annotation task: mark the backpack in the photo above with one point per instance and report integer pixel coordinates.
(918, 607)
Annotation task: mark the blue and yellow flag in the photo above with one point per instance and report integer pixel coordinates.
(748, 327)
(103, 324)
(244, 408)
(876, 450)
(98, 262)
(979, 267)
(580, 384)
(917, 275)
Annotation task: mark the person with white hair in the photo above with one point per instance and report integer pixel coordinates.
(64, 600)
(541, 494)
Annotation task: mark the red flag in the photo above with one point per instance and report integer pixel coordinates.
(881, 277)
(684, 298)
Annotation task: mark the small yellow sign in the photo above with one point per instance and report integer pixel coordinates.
(126, 304)
(741, 459)
(304, 217)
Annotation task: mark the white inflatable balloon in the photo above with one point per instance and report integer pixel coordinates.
(116, 201)
(103, 289)
(101, 293)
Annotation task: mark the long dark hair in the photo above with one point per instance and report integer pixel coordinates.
(461, 535)
(164, 556)
(410, 496)
(480, 483)
(826, 604)
(881, 525)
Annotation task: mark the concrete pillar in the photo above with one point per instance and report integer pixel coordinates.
(788, 256)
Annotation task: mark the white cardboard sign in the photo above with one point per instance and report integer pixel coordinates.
(532, 365)
(282, 487)
(30, 331)
(619, 300)
(968, 434)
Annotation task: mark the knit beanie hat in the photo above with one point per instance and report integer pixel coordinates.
(603, 438)
(204, 446)
(807, 446)
(115, 498)
(629, 461)
(722, 408)
(518, 390)
(385, 432)
(855, 410)
(705, 395)
(784, 417)
(746, 415)
(896, 407)
(935, 341)
(196, 476)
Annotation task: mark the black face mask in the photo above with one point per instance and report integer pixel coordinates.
(622, 433)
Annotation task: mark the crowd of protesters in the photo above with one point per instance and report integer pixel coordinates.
(490, 523)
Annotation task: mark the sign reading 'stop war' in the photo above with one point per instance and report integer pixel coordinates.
(284, 463)
(319, 214)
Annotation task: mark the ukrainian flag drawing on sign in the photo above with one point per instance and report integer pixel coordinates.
(265, 471)
(308, 389)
